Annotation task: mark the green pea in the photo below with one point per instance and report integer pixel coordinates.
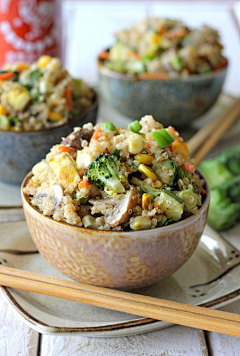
(135, 126)
(108, 126)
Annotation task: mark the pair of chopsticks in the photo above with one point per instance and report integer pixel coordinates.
(173, 312)
(206, 138)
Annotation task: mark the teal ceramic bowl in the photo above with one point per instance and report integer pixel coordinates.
(173, 102)
(20, 151)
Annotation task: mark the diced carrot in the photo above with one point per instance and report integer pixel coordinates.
(84, 183)
(135, 55)
(104, 55)
(221, 65)
(68, 95)
(203, 191)
(6, 75)
(63, 148)
(97, 134)
(161, 30)
(85, 169)
(154, 76)
(171, 148)
(148, 144)
(176, 34)
(188, 167)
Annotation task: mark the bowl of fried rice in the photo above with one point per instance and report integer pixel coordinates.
(115, 207)
(163, 67)
(39, 104)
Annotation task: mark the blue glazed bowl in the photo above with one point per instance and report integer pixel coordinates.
(20, 151)
(173, 102)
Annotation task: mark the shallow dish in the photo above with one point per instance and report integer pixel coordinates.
(118, 259)
(173, 102)
(215, 265)
(19, 151)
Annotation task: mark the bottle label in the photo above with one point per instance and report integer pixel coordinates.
(27, 30)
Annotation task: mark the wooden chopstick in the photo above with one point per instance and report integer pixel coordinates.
(170, 311)
(204, 140)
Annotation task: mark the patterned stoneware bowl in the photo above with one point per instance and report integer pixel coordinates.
(125, 260)
(19, 151)
(173, 102)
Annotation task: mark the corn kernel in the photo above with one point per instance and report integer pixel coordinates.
(54, 116)
(43, 61)
(170, 130)
(158, 184)
(143, 158)
(135, 144)
(3, 111)
(147, 171)
(146, 201)
(22, 66)
(180, 148)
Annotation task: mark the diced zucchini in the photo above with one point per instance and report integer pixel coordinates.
(171, 207)
(65, 169)
(189, 198)
(166, 171)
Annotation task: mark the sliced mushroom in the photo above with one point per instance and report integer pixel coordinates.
(56, 195)
(74, 140)
(125, 207)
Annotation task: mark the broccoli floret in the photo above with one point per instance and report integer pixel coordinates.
(223, 213)
(105, 172)
(146, 188)
(215, 172)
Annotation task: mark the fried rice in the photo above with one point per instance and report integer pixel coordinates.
(111, 178)
(40, 96)
(165, 47)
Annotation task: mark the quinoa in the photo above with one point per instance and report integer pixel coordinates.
(117, 179)
(165, 47)
(40, 96)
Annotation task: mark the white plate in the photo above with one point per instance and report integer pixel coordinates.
(211, 277)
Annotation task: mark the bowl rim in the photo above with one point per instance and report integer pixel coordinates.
(108, 233)
(89, 109)
(131, 77)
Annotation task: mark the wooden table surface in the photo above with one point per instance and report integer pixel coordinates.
(16, 338)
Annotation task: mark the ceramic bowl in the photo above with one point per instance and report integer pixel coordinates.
(127, 260)
(173, 102)
(19, 151)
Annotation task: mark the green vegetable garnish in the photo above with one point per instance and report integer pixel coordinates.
(135, 126)
(108, 126)
(35, 74)
(116, 152)
(163, 138)
(176, 63)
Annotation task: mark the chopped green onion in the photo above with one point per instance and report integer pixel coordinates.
(116, 152)
(171, 194)
(84, 201)
(176, 63)
(4, 123)
(35, 74)
(108, 126)
(135, 126)
(163, 138)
